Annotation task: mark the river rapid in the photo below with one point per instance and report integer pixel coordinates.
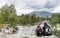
(25, 32)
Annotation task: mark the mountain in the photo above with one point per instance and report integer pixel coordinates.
(41, 13)
(56, 13)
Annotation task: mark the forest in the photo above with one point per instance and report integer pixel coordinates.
(8, 16)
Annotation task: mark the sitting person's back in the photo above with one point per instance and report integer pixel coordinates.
(38, 30)
(46, 29)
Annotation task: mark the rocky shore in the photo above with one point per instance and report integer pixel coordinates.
(22, 32)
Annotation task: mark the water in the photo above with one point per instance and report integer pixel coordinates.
(25, 32)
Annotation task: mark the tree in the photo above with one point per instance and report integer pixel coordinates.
(55, 19)
(8, 15)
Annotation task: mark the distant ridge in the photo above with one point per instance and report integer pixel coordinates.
(56, 13)
(41, 13)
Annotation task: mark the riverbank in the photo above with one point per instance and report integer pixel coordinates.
(22, 32)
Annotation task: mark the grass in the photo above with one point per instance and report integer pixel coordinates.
(57, 33)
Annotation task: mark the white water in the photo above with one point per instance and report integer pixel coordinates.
(25, 32)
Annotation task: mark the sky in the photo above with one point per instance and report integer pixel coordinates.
(27, 6)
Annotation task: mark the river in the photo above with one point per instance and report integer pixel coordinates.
(25, 32)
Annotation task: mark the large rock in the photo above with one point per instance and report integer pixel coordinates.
(52, 36)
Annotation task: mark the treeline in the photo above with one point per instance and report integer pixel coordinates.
(29, 19)
(55, 19)
(8, 16)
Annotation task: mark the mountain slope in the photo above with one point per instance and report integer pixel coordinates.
(41, 13)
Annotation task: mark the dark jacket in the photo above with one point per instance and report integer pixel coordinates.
(46, 30)
(38, 31)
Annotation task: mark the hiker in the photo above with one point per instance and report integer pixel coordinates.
(46, 30)
(38, 30)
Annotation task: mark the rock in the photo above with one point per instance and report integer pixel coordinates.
(52, 36)
(25, 37)
(24, 32)
(15, 30)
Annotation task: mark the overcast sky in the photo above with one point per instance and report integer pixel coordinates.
(27, 6)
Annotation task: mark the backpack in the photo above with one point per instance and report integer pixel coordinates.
(48, 30)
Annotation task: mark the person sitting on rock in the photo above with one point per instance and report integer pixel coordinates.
(46, 29)
(38, 30)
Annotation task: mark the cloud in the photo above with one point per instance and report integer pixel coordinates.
(52, 3)
(3, 2)
(26, 6)
(56, 9)
(24, 11)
